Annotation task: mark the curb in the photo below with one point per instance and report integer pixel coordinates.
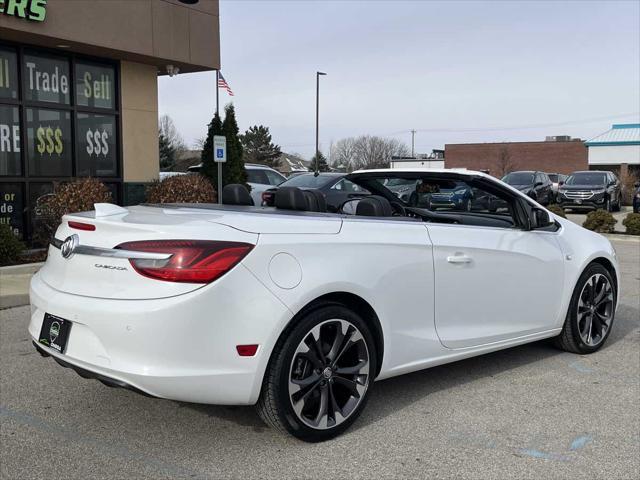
(11, 301)
(621, 237)
(22, 269)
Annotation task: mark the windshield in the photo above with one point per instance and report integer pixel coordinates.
(519, 178)
(586, 178)
(308, 180)
(553, 177)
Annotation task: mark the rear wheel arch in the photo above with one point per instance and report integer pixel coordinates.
(354, 303)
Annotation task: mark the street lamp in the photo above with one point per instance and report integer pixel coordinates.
(318, 120)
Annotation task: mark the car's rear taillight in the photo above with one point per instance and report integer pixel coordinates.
(81, 226)
(267, 196)
(191, 261)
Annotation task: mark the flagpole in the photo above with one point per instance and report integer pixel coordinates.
(217, 93)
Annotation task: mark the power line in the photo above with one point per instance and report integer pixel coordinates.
(492, 129)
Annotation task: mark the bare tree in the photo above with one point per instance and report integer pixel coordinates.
(505, 163)
(366, 151)
(168, 130)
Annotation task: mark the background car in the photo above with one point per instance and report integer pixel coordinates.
(536, 185)
(557, 179)
(636, 198)
(261, 177)
(333, 186)
(591, 189)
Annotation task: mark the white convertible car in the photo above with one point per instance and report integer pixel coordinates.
(298, 310)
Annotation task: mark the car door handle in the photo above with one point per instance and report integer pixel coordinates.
(458, 259)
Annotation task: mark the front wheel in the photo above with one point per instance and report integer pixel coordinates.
(319, 376)
(591, 311)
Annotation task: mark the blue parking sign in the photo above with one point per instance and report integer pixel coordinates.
(220, 153)
(219, 149)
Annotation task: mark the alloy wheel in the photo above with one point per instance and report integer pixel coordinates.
(595, 309)
(329, 374)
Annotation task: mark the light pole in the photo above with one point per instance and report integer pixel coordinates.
(318, 120)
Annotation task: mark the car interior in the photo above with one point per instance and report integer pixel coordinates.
(446, 198)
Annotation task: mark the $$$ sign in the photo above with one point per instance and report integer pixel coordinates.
(49, 140)
(97, 142)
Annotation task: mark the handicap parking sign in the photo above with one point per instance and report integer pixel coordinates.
(220, 148)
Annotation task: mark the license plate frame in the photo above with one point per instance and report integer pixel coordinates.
(54, 332)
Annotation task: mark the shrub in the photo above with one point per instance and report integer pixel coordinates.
(191, 188)
(632, 222)
(70, 197)
(557, 209)
(10, 247)
(600, 221)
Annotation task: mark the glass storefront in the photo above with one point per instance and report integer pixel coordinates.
(59, 120)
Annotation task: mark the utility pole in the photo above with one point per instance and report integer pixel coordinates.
(413, 143)
(318, 121)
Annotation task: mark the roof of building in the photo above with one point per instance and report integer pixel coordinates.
(620, 134)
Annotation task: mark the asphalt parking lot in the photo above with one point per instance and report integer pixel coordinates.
(526, 412)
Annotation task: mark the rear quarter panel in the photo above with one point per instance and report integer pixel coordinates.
(388, 264)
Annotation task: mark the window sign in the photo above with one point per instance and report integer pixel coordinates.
(46, 79)
(49, 143)
(8, 74)
(95, 86)
(12, 207)
(9, 141)
(96, 145)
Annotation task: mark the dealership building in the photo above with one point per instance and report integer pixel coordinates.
(79, 92)
(617, 150)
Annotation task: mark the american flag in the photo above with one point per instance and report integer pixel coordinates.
(222, 83)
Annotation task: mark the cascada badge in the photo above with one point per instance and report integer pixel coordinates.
(69, 245)
(54, 331)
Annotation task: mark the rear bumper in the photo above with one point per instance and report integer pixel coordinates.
(179, 348)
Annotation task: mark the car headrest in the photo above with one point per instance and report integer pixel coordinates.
(315, 200)
(236, 194)
(290, 198)
(374, 206)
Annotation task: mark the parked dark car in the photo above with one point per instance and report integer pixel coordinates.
(335, 188)
(591, 190)
(636, 198)
(536, 185)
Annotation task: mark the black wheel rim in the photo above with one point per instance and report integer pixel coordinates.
(329, 374)
(595, 310)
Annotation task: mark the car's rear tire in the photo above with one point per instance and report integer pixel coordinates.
(320, 374)
(591, 312)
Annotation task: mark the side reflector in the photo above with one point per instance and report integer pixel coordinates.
(81, 226)
(247, 350)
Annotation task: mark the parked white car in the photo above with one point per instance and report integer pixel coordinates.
(298, 310)
(260, 178)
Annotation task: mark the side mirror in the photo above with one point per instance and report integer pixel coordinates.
(561, 182)
(350, 206)
(540, 219)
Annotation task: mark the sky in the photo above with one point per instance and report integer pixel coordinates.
(454, 71)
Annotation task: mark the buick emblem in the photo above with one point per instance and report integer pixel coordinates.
(69, 245)
(54, 331)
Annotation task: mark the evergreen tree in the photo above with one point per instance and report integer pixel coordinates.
(233, 171)
(322, 163)
(259, 147)
(209, 167)
(167, 153)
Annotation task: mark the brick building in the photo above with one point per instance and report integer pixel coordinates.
(556, 154)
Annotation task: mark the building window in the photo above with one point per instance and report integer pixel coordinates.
(59, 119)
(49, 143)
(8, 74)
(10, 141)
(96, 145)
(95, 86)
(46, 79)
